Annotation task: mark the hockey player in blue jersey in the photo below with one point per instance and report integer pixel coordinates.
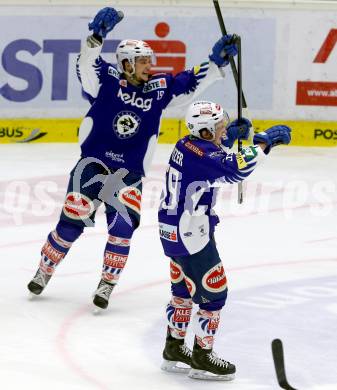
(118, 136)
(198, 165)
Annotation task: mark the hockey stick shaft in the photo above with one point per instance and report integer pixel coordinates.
(278, 357)
(240, 102)
(231, 59)
(238, 81)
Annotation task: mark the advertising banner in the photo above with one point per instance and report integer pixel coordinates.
(289, 65)
(38, 76)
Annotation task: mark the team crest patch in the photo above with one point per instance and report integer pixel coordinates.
(78, 206)
(215, 280)
(176, 272)
(190, 285)
(126, 124)
(131, 197)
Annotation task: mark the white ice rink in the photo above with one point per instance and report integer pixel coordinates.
(279, 250)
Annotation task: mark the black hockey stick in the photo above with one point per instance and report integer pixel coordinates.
(240, 102)
(231, 59)
(278, 356)
(237, 73)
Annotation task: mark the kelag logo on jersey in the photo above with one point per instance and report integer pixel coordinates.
(126, 124)
(139, 102)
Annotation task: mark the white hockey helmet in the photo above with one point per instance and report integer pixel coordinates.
(205, 115)
(129, 49)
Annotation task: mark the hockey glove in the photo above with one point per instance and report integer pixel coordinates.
(239, 128)
(105, 20)
(276, 135)
(224, 48)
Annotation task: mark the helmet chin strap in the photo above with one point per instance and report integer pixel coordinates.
(132, 75)
(209, 132)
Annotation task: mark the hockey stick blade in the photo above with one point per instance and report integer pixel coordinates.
(278, 356)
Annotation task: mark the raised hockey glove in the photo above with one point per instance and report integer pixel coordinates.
(239, 128)
(275, 135)
(105, 20)
(224, 48)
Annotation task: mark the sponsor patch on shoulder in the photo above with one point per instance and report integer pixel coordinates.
(113, 72)
(193, 148)
(155, 84)
(218, 153)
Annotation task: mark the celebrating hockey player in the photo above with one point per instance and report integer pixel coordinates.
(198, 164)
(118, 136)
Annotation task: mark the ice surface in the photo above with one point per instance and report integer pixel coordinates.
(279, 250)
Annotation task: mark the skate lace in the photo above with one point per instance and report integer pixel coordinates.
(185, 350)
(214, 359)
(105, 290)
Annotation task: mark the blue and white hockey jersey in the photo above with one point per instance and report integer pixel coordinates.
(121, 127)
(196, 168)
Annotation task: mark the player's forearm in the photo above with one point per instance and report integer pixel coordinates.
(200, 78)
(94, 40)
(88, 64)
(206, 77)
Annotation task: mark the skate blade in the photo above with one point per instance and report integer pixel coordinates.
(96, 311)
(177, 367)
(206, 375)
(32, 296)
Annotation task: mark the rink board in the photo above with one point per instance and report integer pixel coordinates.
(304, 133)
